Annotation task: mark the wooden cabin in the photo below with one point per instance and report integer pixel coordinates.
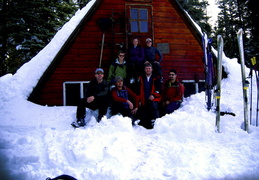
(110, 26)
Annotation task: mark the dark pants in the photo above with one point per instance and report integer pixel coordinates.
(100, 103)
(157, 69)
(148, 113)
(122, 109)
(135, 69)
(172, 107)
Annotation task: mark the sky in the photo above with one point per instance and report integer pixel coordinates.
(37, 141)
(212, 11)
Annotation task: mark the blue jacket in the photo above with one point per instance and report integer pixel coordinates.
(137, 55)
(150, 54)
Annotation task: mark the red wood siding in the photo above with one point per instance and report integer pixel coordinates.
(82, 57)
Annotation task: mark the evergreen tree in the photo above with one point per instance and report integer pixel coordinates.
(228, 25)
(252, 17)
(27, 26)
(197, 10)
(236, 14)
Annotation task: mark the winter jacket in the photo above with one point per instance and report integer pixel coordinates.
(146, 91)
(137, 55)
(173, 91)
(97, 89)
(121, 96)
(117, 69)
(150, 54)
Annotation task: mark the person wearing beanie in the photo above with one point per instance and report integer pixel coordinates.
(124, 100)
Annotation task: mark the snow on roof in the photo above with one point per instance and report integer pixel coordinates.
(28, 75)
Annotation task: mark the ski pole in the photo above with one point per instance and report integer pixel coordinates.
(253, 61)
(251, 95)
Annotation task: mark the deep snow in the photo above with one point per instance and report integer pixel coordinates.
(37, 142)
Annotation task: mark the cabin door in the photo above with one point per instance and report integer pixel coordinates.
(139, 23)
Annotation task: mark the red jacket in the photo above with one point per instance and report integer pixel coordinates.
(155, 89)
(131, 95)
(173, 92)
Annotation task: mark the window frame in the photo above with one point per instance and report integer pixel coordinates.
(82, 90)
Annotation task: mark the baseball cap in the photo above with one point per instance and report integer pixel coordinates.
(99, 70)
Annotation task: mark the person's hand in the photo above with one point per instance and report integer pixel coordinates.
(139, 104)
(167, 102)
(90, 99)
(134, 111)
(156, 62)
(130, 104)
(151, 97)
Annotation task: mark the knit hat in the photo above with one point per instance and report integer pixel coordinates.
(118, 78)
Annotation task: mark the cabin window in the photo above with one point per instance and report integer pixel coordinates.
(73, 91)
(139, 20)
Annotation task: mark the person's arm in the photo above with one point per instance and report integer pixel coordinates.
(134, 97)
(110, 75)
(178, 94)
(160, 55)
(116, 98)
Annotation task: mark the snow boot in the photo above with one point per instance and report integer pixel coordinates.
(81, 122)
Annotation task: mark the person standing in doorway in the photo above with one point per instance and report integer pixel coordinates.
(136, 57)
(153, 56)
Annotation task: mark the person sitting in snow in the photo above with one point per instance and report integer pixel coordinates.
(173, 93)
(122, 98)
(118, 68)
(149, 96)
(97, 97)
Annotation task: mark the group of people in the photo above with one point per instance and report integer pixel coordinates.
(146, 100)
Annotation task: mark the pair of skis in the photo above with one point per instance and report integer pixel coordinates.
(209, 70)
(209, 77)
(245, 83)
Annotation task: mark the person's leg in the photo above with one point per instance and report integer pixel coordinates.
(102, 104)
(172, 107)
(80, 112)
(157, 69)
(142, 115)
(154, 109)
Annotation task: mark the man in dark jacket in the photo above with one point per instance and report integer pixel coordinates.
(151, 54)
(96, 98)
(124, 100)
(173, 93)
(136, 58)
(149, 96)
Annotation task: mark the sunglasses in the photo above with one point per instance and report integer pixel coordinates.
(98, 73)
(121, 55)
(171, 74)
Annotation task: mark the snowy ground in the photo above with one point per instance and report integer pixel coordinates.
(37, 142)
